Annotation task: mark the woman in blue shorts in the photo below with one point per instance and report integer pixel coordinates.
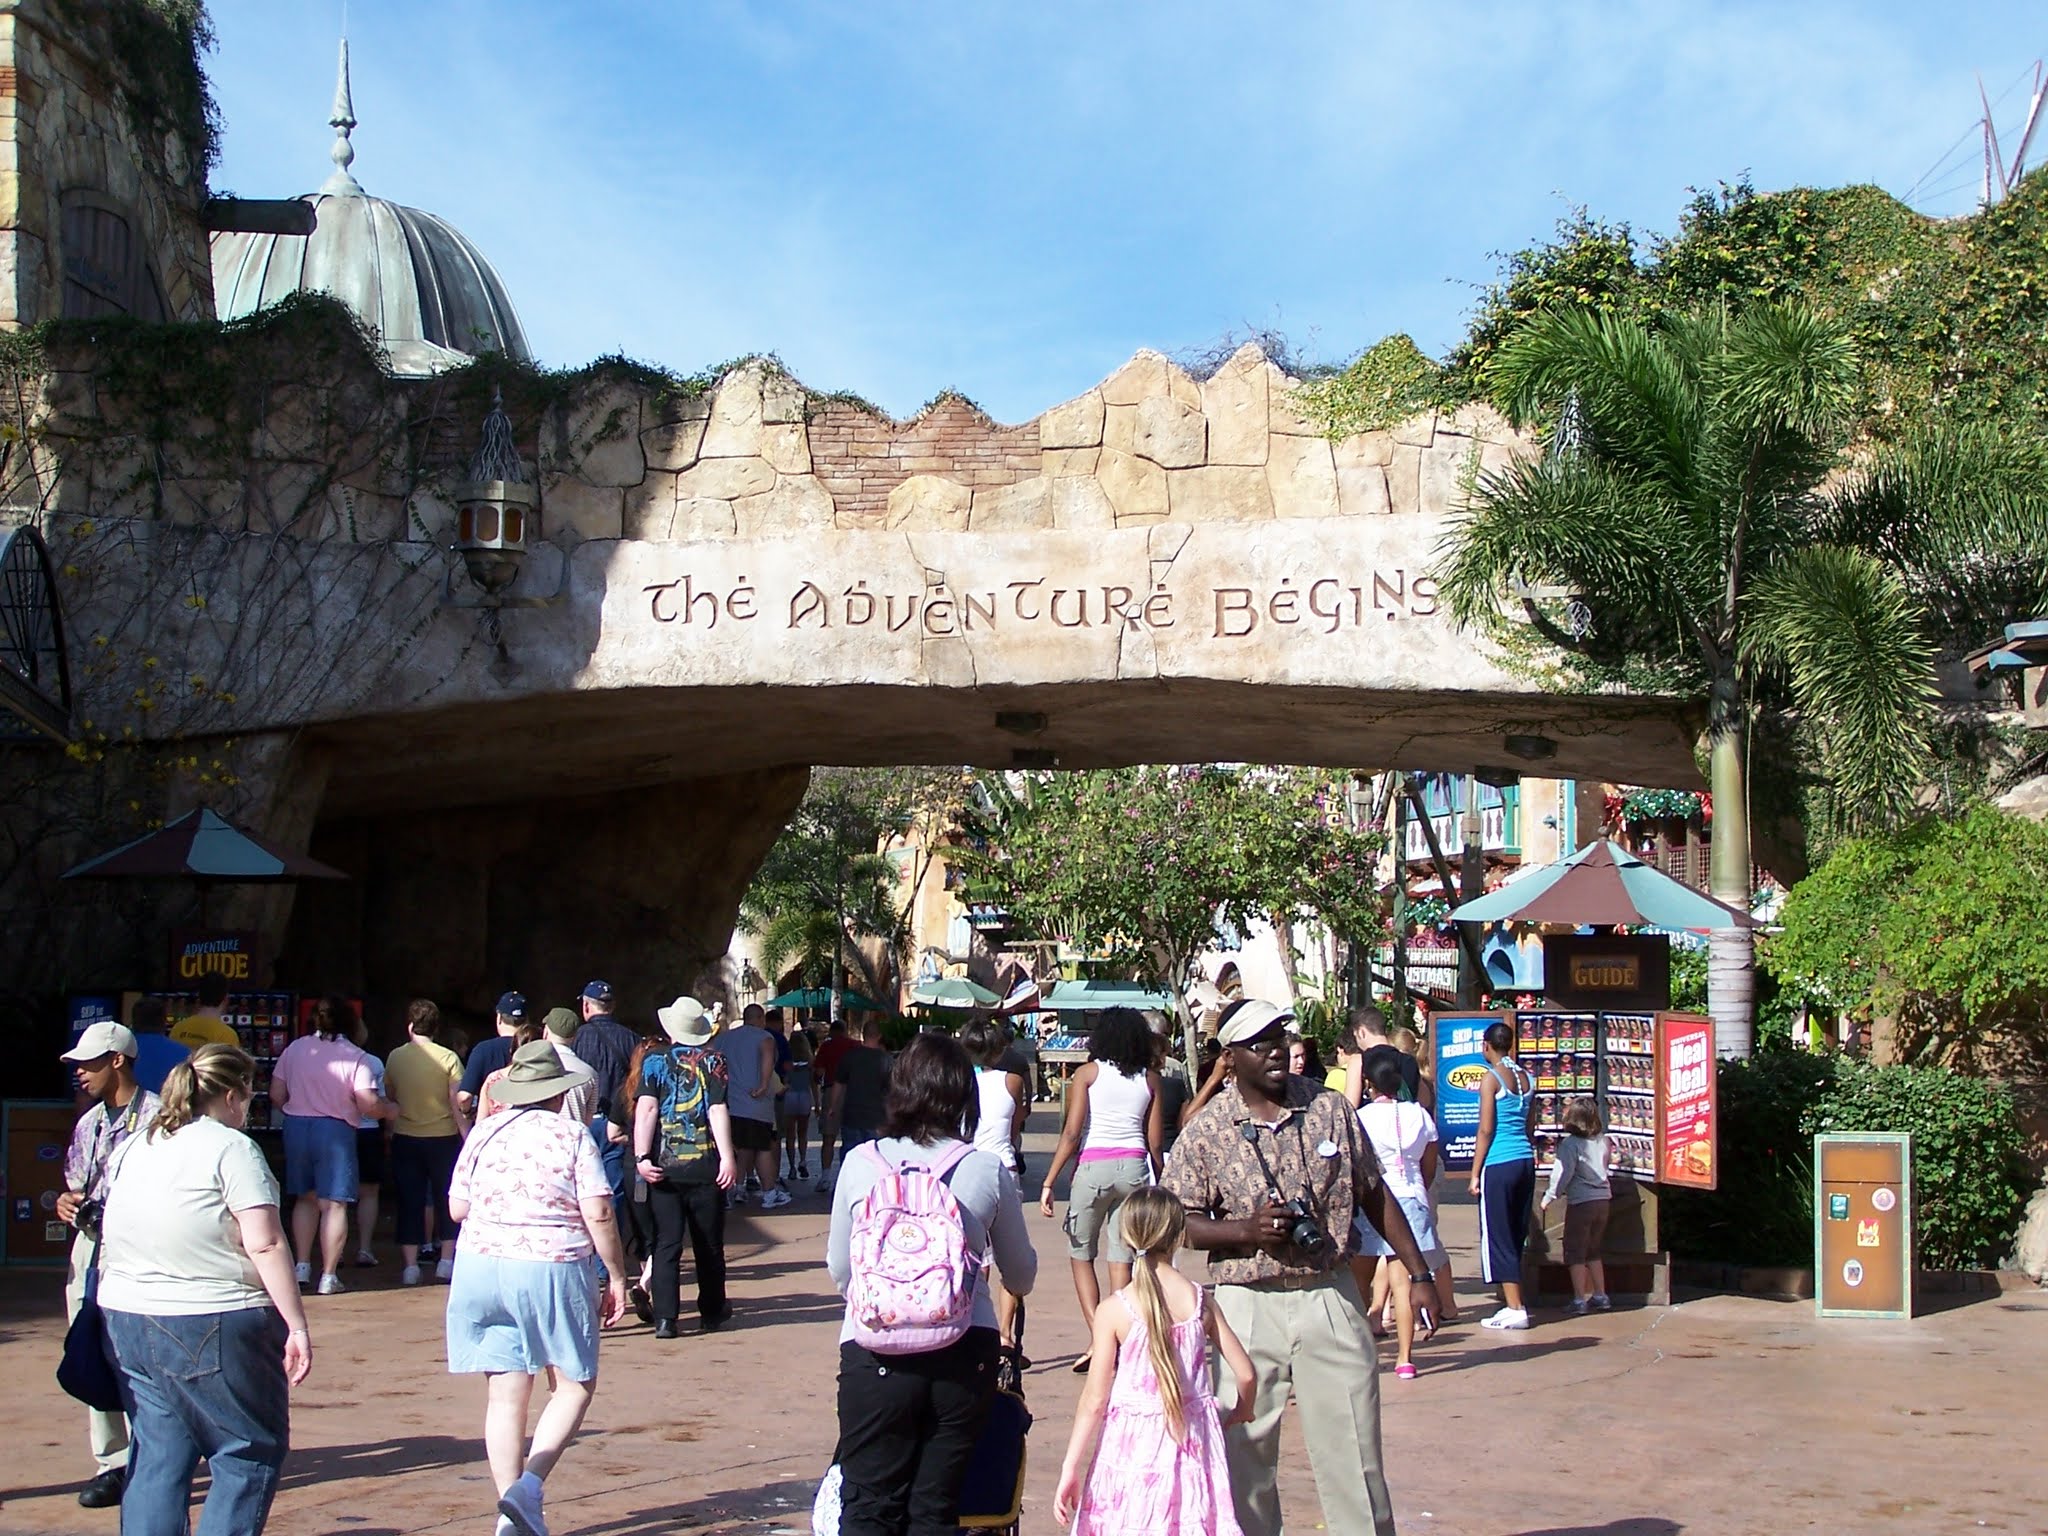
(1504, 1172)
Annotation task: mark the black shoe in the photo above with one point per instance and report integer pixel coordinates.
(665, 1329)
(642, 1303)
(711, 1322)
(105, 1491)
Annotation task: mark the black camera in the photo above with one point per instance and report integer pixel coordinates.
(1303, 1230)
(87, 1217)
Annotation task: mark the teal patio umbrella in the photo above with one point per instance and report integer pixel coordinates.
(952, 992)
(1603, 885)
(821, 997)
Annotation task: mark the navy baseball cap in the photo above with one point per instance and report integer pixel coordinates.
(599, 992)
(513, 1005)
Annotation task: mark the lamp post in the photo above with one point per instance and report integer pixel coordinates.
(497, 520)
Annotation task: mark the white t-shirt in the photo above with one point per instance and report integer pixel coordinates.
(1399, 1132)
(172, 1247)
(998, 1116)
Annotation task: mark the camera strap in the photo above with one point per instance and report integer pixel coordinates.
(1258, 1140)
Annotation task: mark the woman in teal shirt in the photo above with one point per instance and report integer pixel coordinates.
(1504, 1172)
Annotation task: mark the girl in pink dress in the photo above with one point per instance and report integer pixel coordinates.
(1158, 1468)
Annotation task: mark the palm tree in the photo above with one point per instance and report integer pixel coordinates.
(1691, 500)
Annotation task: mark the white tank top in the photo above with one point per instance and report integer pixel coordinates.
(998, 1114)
(1117, 1106)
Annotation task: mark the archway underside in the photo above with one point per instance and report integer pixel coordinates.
(579, 744)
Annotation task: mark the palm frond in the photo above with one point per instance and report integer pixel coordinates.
(1846, 635)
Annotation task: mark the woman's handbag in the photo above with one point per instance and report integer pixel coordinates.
(88, 1371)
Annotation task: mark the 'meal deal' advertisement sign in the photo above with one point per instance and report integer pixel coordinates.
(1460, 1069)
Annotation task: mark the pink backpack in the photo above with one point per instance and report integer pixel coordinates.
(913, 1279)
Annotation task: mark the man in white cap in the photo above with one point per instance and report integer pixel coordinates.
(103, 1063)
(683, 1151)
(1271, 1171)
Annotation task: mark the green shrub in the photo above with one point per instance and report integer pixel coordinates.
(1970, 1181)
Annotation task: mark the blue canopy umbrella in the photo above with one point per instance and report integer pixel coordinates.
(1603, 885)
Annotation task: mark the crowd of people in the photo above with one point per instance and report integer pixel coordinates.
(554, 1178)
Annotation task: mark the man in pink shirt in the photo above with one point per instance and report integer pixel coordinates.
(323, 1083)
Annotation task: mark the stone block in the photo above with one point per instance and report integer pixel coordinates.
(598, 438)
(1059, 463)
(1363, 449)
(373, 518)
(787, 446)
(1081, 505)
(1443, 474)
(1170, 433)
(674, 444)
(195, 503)
(1281, 414)
(699, 517)
(572, 505)
(1497, 458)
(1476, 419)
(1303, 475)
(1236, 401)
(1018, 508)
(1362, 491)
(1417, 431)
(1136, 487)
(1182, 387)
(734, 431)
(1404, 480)
(1143, 376)
(1120, 428)
(782, 401)
(1077, 424)
(726, 479)
(929, 502)
(796, 504)
(1220, 493)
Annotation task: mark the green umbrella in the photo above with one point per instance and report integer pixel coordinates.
(1602, 885)
(952, 992)
(821, 997)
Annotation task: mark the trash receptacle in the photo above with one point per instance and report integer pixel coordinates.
(1863, 1224)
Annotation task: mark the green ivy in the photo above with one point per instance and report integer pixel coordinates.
(154, 47)
(1389, 382)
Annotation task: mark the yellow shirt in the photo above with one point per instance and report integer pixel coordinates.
(417, 1078)
(203, 1029)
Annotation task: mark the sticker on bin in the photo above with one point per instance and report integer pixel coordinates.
(1852, 1273)
(1838, 1207)
(1886, 1199)
(1867, 1235)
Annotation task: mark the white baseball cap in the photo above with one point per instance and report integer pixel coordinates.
(106, 1038)
(1249, 1019)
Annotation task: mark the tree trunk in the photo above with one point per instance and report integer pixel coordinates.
(1731, 953)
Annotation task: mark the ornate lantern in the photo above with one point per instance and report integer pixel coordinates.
(497, 509)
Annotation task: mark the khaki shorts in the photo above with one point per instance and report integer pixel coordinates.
(1097, 1194)
(1585, 1229)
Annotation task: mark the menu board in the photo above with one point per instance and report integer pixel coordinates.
(1629, 1084)
(1562, 1054)
(264, 1023)
(1686, 1103)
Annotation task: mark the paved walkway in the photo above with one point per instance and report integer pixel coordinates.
(1722, 1415)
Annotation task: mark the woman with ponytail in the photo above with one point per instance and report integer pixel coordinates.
(1146, 1454)
(202, 1308)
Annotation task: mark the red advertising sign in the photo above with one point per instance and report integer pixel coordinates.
(1687, 1123)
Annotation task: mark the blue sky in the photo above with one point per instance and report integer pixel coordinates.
(1008, 199)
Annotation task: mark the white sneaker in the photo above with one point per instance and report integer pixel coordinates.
(445, 1270)
(410, 1275)
(824, 1185)
(304, 1272)
(330, 1285)
(1507, 1319)
(771, 1198)
(522, 1507)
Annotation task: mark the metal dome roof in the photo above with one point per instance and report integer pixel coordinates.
(432, 298)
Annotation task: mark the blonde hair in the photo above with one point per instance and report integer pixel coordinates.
(1402, 1038)
(1153, 1222)
(199, 1082)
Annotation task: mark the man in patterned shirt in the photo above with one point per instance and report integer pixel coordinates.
(1268, 1139)
(103, 1062)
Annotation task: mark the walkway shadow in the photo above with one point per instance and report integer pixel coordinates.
(785, 1503)
(1638, 1525)
(1435, 1358)
(310, 1465)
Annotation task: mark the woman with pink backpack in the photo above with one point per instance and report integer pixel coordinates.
(912, 1215)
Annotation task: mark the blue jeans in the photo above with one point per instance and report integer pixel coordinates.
(213, 1386)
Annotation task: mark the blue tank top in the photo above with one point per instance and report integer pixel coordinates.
(1510, 1121)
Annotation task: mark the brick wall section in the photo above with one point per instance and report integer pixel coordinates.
(860, 457)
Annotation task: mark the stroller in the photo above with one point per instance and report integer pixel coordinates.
(992, 1497)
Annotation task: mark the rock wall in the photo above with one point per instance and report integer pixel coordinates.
(73, 146)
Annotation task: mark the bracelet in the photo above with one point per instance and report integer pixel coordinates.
(299, 1333)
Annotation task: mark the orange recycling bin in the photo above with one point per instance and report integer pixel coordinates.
(1863, 1224)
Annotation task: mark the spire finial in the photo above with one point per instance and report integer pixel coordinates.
(343, 122)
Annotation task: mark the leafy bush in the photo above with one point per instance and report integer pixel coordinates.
(1970, 1178)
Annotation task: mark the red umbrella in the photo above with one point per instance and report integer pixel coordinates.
(203, 846)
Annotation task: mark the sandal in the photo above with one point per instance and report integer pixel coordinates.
(1404, 1371)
